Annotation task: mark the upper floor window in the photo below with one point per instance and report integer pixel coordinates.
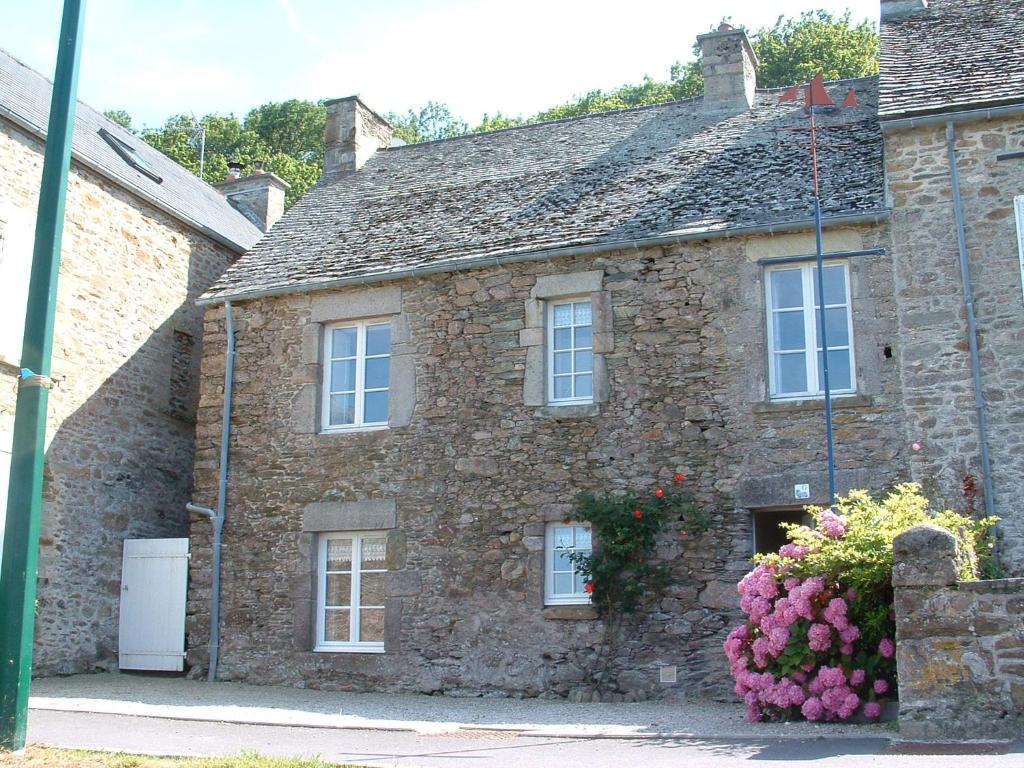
(357, 362)
(570, 352)
(794, 331)
(563, 582)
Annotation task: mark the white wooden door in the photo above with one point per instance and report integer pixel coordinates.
(154, 574)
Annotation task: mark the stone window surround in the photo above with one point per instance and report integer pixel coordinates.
(784, 398)
(534, 338)
(330, 307)
(347, 517)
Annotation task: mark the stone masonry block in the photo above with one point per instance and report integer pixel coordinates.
(367, 515)
(306, 410)
(531, 337)
(925, 555)
(312, 335)
(552, 286)
(352, 305)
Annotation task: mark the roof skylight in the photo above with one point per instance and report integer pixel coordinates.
(130, 156)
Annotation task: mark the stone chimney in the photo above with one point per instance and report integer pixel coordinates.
(730, 69)
(352, 134)
(259, 197)
(895, 9)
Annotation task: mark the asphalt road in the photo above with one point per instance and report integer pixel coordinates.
(484, 749)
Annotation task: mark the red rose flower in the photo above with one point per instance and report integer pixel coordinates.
(588, 587)
(684, 533)
(678, 477)
(638, 514)
(659, 492)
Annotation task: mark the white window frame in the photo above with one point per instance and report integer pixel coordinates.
(358, 425)
(1018, 206)
(550, 316)
(355, 604)
(550, 597)
(815, 388)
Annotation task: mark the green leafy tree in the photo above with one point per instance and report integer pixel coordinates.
(293, 127)
(430, 123)
(120, 117)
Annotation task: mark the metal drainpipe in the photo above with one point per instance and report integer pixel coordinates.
(972, 324)
(217, 516)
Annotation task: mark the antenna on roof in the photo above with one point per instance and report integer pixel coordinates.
(818, 101)
(198, 134)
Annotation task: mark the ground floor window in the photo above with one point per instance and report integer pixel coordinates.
(564, 583)
(768, 536)
(351, 569)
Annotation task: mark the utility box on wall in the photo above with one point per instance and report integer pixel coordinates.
(154, 577)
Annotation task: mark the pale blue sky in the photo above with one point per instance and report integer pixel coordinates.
(156, 58)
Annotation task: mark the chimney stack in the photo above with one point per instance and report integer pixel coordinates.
(352, 134)
(730, 69)
(895, 9)
(259, 197)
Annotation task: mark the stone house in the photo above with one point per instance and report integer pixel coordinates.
(442, 344)
(951, 100)
(143, 239)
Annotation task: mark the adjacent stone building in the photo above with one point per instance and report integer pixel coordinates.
(143, 239)
(442, 344)
(952, 100)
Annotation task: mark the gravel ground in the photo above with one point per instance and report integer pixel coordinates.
(181, 699)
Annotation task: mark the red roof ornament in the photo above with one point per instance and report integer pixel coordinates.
(789, 94)
(815, 94)
(851, 100)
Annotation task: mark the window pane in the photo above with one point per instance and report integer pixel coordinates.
(377, 372)
(584, 337)
(577, 584)
(343, 342)
(378, 339)
(836, 325)
(787, 288)
(562, 537)
(791, 373)
(339, 589)
(343, 376)
(584, 385)
(371, 625)
(581, 313)
(788, 330)
(561, 561)
(838, 370)
(374, 552)
(835, 284)
(343, 409)
(563, 362)
(371, 588)
(339, 554)
(563, 314)
(375, 408)
(563, 338)
(336, 626)
(563, 387)
(584, 362)
(583, 538)
(563, 584)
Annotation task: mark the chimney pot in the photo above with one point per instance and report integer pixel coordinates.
(234, 169)
(259, 197)
(352, 134)
(730, 69)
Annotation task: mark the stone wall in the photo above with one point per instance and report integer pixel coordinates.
(959, 645)
(935, 359)
(120, 431)
(478, 470)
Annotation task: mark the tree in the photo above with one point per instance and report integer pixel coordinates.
(433, 121)
(120, 117)
(293, 127)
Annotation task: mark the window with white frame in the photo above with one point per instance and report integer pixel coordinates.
(357, 363)
(570, 352)
(1018, 204)
(794, 331)
(351, 569)
(563, 582)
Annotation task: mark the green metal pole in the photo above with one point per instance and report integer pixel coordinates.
(24, 502)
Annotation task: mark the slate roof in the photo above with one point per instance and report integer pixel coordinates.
(666, 170)
(955, 55)
(25, 100)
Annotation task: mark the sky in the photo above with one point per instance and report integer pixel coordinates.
(157, 58)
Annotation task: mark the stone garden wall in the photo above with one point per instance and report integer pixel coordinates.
(959, 645)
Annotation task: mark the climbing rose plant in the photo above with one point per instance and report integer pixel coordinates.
(818, 640)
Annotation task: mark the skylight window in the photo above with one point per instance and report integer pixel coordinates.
(130, 156)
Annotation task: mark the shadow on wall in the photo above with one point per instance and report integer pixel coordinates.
(119, 466)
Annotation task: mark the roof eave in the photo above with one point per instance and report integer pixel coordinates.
(476, 262)
(992, 110)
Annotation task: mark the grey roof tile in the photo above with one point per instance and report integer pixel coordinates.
(667, 169)
(25, 98)
(954, 55)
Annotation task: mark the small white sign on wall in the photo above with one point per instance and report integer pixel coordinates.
(1018, 206)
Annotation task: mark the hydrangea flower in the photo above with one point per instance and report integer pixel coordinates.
(887, 648)
(831, 524)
